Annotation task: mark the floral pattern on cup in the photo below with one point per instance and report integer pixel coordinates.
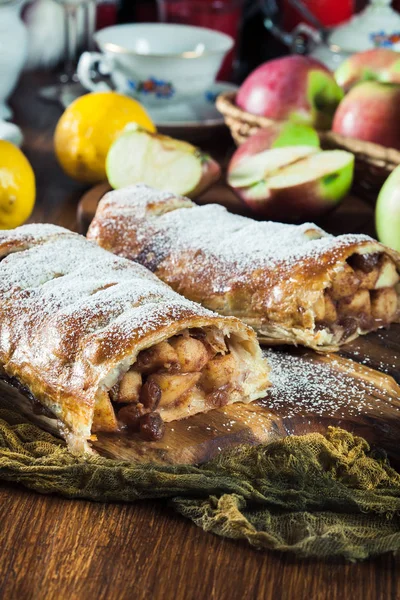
(381, 39)
(211, 96)
(158, 87)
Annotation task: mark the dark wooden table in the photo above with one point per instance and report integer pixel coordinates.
(56, 548)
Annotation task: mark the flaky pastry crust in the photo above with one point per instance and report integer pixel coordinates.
(74, 318)
(292, 284)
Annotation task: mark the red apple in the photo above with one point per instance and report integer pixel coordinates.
(293, 183)
(278, 134)
(379, 64)
(294, 88)
(370, 112)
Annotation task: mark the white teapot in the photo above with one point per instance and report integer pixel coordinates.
(13, 48)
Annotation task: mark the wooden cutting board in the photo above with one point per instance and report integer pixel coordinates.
(357, 389)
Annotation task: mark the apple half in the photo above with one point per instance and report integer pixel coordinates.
(250, 170)
(305, 186)
(138, 156)
(279, 134)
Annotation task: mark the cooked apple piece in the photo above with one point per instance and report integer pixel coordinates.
(160, 356)
(345, 283)
(192, 354)
(388, 276)
(330, 310)
(218, 372)
(129, 388)
(173, 386)
(384, 304)
(357, 304)
(367, 280)
(104, 416)
(216, 344)
(319, 309)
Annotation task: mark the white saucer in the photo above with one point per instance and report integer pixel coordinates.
(192, 120)
(199, 111)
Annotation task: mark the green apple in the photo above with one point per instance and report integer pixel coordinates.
(138, 156)
(387, 212)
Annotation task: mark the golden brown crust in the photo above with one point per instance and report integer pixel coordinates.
(73, 317)
(268, 274)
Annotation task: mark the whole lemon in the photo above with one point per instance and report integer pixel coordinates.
(17, 186)
(88, 127)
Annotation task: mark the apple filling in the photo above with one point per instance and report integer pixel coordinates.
(363, 296)
(192, 372)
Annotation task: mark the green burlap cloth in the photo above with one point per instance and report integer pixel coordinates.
(313, 495)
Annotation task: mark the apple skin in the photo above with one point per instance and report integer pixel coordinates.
(211, 172)
(370, 112)
(292, 205)
(294, 88)
(378, 64)
(298, 201)
(277, 135)
(387, 212)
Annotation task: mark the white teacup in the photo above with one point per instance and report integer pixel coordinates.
(156, 62)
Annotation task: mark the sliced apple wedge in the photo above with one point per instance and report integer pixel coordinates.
(138, 156)
(249, 170)
(300, 190)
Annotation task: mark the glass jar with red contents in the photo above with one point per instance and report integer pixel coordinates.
(328, 12)
(106, 13)
(221, 15)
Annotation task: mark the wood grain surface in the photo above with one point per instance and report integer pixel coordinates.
(371, 406)
(53, 548)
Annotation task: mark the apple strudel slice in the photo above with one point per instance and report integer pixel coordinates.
(293, 283)
(103, 344)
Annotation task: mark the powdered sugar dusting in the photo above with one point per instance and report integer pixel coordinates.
(302, 385)
(58, 294)
(34, 233)
(221, 245)
(247, 244)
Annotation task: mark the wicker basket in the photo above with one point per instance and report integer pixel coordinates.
(373, 162)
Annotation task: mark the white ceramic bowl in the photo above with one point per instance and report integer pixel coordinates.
(156, 62)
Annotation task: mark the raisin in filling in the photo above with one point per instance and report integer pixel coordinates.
(168, 375)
